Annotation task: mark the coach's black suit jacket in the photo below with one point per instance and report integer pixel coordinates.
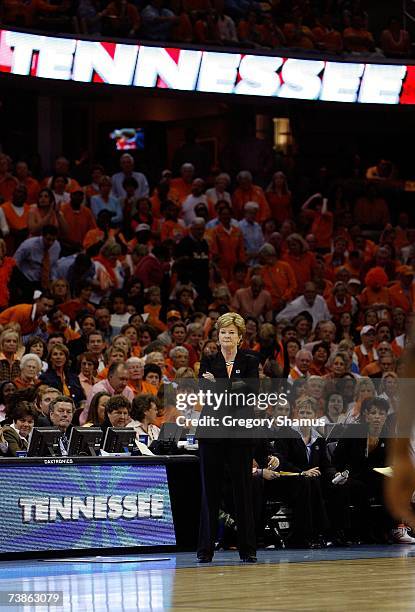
(244, 380)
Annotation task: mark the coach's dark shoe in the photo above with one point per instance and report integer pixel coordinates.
(249, 559)
(204, 558)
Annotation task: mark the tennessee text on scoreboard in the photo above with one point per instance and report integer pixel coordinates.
(136, 65)
(81, 506)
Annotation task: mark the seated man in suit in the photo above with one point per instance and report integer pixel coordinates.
(303, 451)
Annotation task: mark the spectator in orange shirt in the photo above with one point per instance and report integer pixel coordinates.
(172, 228)
(79, 220)
(356, 38)
(298, 35)
(17, 215)
(58, 324)
(322, 220)
(366, 353)
(340, 301)
(249, 31)
(376, 292)
(248, 192)
(300, 259)
(121, 18)
(62, 169)
(183, 30)
(383, 259)
(7, 181)
(31, 184)
(6, 268)
(401, 232)
(395, 41)
(402, 292)
(135, 369)
(183, 184)
(28, 316)
(326, 37)
(337, 259)
(279, 198)
(163, 194)
(206, 29)
(226, 243)
(371, 210)
(354, 264)
(80, 304)
(153, 309)
(92, 189)
(278, 276)
(44, 213)
(240, 278)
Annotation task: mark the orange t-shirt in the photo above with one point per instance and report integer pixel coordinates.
(369, 297)
(322, 228)
(330, 39)
(400, 299)
(7, 186)
(143, 387)
(154, 317)
(279, 279)
(280, 206)
(33, 188)
(172, 229)
(21, 314)
(16, 222)
(181, 188)
(255, 194)
(71, 186)
(79, 222)
(72, 307)
(228, 248)
(303, 267)
(5, 272)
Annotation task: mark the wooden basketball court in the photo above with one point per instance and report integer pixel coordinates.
(373, 578)
(366, 584)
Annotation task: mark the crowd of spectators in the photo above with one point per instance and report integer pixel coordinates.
(336, 27)
(110, 289)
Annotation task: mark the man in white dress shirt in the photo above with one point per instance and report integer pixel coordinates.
(308, 302)
(127, 170)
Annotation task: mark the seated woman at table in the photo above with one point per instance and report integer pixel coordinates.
(96, 412)
(359, 456)
(117, 413)
(17, 435)
(143, 415)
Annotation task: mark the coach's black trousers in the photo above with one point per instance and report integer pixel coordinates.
(235, 457)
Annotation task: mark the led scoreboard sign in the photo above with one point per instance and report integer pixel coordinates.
(134, 65)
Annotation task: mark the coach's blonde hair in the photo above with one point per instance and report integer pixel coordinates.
(232, 318)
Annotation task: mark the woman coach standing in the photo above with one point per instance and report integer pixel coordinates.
(221, 448)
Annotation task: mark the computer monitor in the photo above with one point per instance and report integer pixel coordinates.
(167, 441)
(170, 432)
(119, 440)
(85, 441)
(44, 442)
(336, 431)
